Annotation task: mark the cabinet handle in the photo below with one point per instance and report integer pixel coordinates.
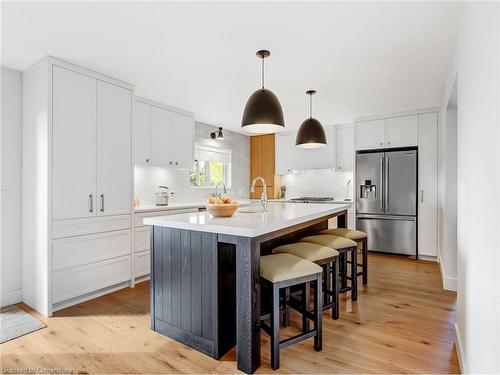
(91, 203)
(422, 195)
(389, 143)
(102, 202)
(147, 160)
(381, 143)
(170, 163)
(176, 163)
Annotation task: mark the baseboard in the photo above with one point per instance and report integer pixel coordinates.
(449, 283)
(9, 298)
(459, 349)
(429, 258)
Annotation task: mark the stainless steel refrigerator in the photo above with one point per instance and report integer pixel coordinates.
(386, 203)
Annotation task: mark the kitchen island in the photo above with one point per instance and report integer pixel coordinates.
(205, 289)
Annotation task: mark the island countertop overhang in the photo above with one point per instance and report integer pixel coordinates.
(249, 224)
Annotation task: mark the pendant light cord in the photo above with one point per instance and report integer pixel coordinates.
(310, 106)
(262, 72)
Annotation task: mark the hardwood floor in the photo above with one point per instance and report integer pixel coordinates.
(403, 322)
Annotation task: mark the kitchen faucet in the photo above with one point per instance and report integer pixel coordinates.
(263, 197)
(217, 190)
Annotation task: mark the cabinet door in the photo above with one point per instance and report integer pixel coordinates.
(114, 151)
(402, 131)
(282, 153)
(345, 148)
(427, 184)
(74, 144)
(141, 133)
(183, 141)
(370, 134)
(162, 137)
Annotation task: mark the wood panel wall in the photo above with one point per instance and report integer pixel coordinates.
(262, 163)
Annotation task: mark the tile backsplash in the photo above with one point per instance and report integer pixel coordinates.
(319, 183)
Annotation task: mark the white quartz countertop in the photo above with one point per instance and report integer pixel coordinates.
(196, 204)
(249, 221)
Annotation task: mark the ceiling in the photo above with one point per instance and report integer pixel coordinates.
(362, 58)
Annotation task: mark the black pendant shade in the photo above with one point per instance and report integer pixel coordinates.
(311, 133)
(263, 113)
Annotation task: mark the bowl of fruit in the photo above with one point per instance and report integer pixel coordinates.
(221, 206)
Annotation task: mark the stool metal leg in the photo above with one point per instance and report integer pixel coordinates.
(275, 328)
(305, 302)
(327, 278)
(354, 273)
(318, 314)
(343, 269)
(364, 245)
(335, 287)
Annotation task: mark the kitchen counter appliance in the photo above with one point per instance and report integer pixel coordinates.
(386, 202)
(162, 195)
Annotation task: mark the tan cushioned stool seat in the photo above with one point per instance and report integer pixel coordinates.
(335, 242)
(352, 234)
(307, 250)
(281, 267)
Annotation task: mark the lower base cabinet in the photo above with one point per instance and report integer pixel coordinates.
(142, 263)
(75, 282)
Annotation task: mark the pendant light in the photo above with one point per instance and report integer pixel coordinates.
(311, 133)
(263, 113)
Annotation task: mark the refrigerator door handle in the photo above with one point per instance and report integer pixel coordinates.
(386, 184)
(381, 183)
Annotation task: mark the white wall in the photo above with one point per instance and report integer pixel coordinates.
(11, 278)
(476, 65)
(147, 179)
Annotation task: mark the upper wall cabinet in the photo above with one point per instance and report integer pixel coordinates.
(162, 137)
(344, 148)
(338, 153)
(400, 131)
(92, 161)
(370, 134)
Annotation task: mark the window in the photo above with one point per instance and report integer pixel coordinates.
(211, 166)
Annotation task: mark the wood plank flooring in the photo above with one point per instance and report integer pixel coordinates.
(403, 322)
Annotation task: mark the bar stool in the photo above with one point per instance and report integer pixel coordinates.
(344, 246)
(279, 271)
(359, 237)
(325, 257)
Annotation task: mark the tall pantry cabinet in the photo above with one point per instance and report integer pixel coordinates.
(77, 184)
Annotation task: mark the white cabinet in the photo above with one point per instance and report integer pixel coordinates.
(141, 133)
(289, 158)
(370, 134)
(92, 147)
(402, 131)
(344, 147)
(77, 184)
(114, 160)
(74, 144)
(183, 141)
(427, 184)
(398, 131)
(162, 137)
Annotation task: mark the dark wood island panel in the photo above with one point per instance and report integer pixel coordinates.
(193, 297)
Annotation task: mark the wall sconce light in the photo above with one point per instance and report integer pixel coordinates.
(217, 134)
